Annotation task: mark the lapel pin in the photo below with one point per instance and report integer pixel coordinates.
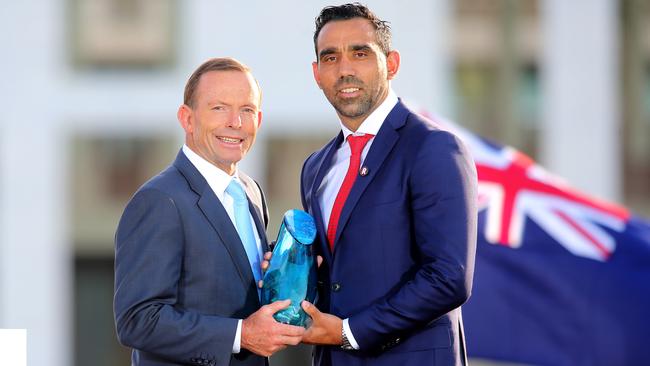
(364, 171)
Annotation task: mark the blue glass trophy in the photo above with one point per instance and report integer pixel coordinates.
(292, 270)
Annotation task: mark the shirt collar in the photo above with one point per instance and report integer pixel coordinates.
(373, 122)
(216, 178)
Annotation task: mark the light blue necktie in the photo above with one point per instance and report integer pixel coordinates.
(245, 227)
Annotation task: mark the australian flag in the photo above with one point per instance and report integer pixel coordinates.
(561, 278)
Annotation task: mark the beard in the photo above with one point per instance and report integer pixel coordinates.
(354, 107)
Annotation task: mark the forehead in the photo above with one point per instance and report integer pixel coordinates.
(339, 34)
(228, 85)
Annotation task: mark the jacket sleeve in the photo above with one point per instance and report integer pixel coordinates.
(148, 267)
(442, 185)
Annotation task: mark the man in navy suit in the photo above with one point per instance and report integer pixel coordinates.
(189, 244)
(394, 199)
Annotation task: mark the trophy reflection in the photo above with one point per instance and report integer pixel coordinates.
(292, 270)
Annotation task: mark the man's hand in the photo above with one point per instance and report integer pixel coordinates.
(325, 328)
(263, 335)
(265, 265)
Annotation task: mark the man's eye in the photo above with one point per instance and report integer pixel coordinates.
(360, 54)
(218, 108)
(329, 58)
(248, 110)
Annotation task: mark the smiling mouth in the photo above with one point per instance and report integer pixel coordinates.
(349, 90)
(229, 140)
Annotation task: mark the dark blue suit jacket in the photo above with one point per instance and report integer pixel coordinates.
(404, 251)
(182, 277)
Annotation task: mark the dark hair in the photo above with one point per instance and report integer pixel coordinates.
(350, 11)
(213, 64)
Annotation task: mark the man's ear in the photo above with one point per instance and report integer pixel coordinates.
(185, 118)
(392, 63)
(259, 119)
(314, 69)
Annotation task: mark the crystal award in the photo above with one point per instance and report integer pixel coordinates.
(292, 270)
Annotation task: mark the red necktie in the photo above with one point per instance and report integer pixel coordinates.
(356, 147)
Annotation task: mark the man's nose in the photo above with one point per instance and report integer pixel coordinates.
(234, 120)
(346, 67)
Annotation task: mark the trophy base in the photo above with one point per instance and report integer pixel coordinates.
(293, 315)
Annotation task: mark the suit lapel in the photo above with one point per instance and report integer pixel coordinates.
(216, 214)
(255, 207)
(323, 167)
(220, 221)
(381, 146)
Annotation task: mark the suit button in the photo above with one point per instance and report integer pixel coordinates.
(336, 287)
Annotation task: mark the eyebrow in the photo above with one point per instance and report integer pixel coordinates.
(361, 47)
(354, 47)
(214, 102)
(326, 51)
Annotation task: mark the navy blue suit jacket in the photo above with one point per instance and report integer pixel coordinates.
(404, 251)
(182, 277)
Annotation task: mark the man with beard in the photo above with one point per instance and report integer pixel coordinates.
(394, 199)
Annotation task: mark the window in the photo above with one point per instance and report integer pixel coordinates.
(106, 173)
(635, 103)
(497, 88)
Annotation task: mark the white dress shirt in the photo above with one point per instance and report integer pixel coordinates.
(219, 180)
(333, 179)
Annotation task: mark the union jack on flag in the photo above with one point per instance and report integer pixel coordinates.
(512, 187)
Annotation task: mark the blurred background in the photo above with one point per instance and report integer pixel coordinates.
(90, 88)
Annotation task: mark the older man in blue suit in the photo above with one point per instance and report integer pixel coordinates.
(189, 244)
(394, 198)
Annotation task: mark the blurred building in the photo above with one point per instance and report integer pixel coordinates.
(90, 91)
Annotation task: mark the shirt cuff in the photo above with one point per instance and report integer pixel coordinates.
(348, 334)
(236, 346)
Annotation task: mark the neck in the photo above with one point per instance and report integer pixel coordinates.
(228, 168)
(353, 123)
